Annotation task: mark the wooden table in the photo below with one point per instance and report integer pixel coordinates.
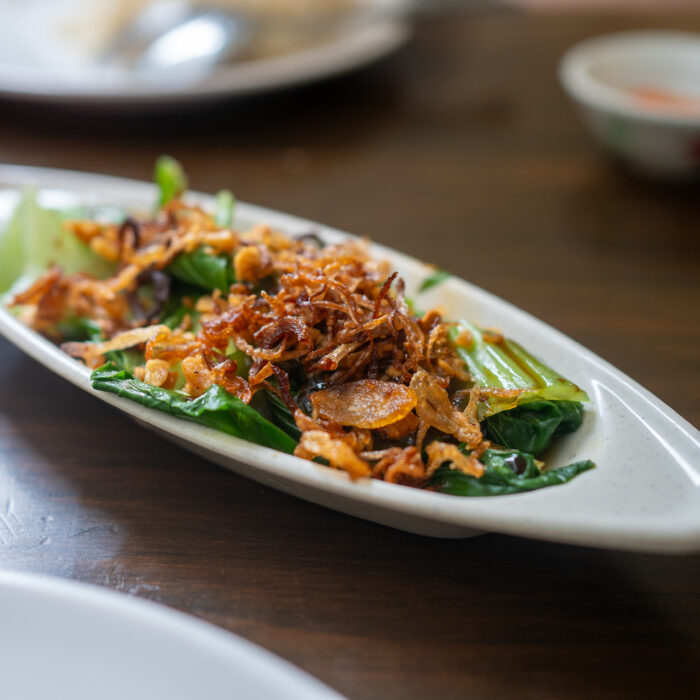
(461, 150)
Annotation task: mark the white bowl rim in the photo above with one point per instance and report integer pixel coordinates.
(98, 607)
(583, 87)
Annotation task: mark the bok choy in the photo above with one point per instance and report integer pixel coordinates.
(312, 352)
(36, 238)
(204, 270)
(215, 408)
(505, 472)
(516, 375)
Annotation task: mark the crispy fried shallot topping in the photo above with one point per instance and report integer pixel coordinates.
(318, 443)
(325, 328)
(93, 353)
(157, 373)
(435, 411)
(441, 452)
(365, 403)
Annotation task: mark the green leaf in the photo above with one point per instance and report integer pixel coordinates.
(281, 415)
(127, 360)
(223, 213)
(204, 270)
(571, 416)
(35, 239)
(507, 365)
(501, 475)
(172, 318)
(532, 426)
(79, 329)
(85, 329)
(216, 408)
(170, 178)
(240, 358)
(434, 279)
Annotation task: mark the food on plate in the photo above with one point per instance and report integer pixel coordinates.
(287, 341)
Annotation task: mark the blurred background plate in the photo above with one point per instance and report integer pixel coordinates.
(50, 49)
(68, 641)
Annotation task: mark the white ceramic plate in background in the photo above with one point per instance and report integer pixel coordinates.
(63, 640)
(75, 81)
(600, 75)
(643, 495)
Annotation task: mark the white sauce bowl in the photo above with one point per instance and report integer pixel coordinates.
(656, 136)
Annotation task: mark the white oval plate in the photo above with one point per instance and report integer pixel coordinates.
(644, 494)
(91, 86)
(70, 641)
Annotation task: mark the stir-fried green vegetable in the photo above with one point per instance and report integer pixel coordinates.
(170, 179)
(505, 472)
(434, 279)
(532, 426)
(216, 408)
(223, 212)
(524, 407)
(36, 238)
(281, 415)
(203, 270)
(79, 329)
(507, 365)
(85, 329)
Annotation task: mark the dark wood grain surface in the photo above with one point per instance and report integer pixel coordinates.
(461, 150)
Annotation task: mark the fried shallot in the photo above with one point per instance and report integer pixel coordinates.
(324, 330)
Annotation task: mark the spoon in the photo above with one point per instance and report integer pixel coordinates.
(176, 41)
(173, 40)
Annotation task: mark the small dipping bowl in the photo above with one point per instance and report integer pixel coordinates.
(639, 94)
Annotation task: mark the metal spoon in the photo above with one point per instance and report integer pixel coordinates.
(175, 41)
(171, 40)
